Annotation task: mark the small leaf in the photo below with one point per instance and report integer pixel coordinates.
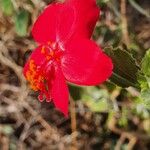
(125, 67)
(7, 7)
(21, 23)
(123, 121)
(7, 130)
(140, 108)
(144, 80)
(146, 64)
(96, 99)
(102, 2)
(145, 95)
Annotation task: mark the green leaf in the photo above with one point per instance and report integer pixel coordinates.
(146, 64)
(125, 67)
(7, 7)
(140, 108)
(102, 2)
(145, 95)
(144, 80)
(7, 130)
(21, 22)
(123, 120)
(96, 99)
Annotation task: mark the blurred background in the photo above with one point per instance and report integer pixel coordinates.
(104, 117)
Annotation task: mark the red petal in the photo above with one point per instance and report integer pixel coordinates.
(60, 22)
(66, 23)
(85, 64)
(59, 91)
(37, 57)
(86, 13)
(44, 29)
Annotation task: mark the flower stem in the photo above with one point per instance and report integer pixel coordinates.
(73, 123)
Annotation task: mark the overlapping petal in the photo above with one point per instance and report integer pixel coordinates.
(59, 91)
(66, 23)
(86, 15)
(85, 64)
(62, 21)
(44, 29)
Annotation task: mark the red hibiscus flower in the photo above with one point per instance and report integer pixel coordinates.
(65, 51)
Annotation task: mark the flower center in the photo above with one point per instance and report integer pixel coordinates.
(51, 51)
(40, 75)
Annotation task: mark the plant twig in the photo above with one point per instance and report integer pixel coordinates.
(139, 9)
(132, 138)
(125, 34)
(73, 123)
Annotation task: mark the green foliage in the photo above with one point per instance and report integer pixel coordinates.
(21, 18)
(102, 2)
(125, 67)
(144, 84)
(7, 7)
(96, 99)
(7, 130)
(144, 79)
(145, 95)
(146, 64)
(21, 22)
(123, 121)
(139, 109)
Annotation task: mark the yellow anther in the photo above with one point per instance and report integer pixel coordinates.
(33, 76)
(32, 66)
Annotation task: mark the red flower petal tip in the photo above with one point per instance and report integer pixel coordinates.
(66, 52)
